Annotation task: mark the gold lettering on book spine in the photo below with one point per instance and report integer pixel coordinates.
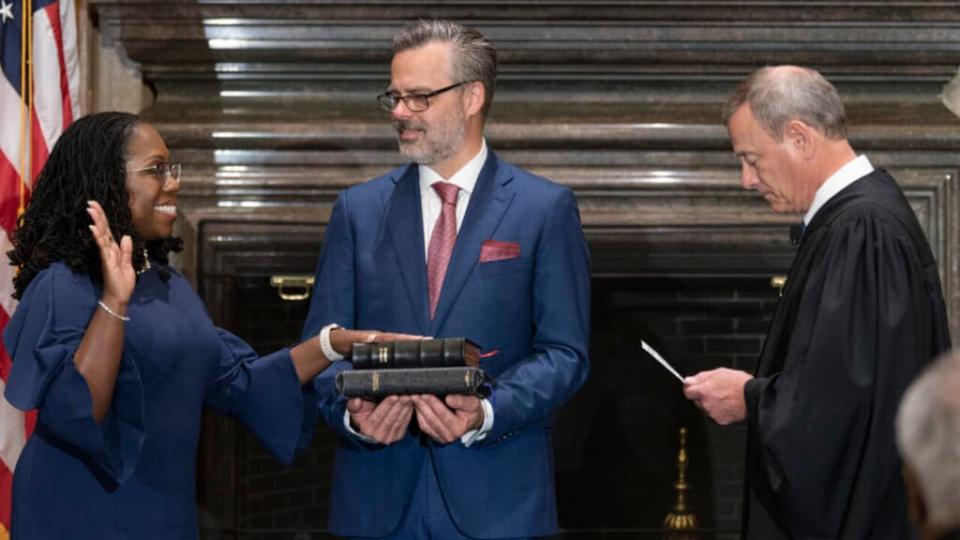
(375, 382)
(383, 354)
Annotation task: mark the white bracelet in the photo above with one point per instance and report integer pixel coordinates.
(112, 312)
(325, 346)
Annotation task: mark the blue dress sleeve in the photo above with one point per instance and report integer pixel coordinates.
(41, 338)
(265, 394)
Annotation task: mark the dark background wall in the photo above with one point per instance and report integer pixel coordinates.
(270, 107)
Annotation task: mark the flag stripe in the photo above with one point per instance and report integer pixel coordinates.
(6, 485)
(38, 147)
(10, 129)
(69, 63)
(9, 199)
(47, 86)
(12, 443)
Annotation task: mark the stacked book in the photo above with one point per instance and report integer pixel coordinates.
(429, 366)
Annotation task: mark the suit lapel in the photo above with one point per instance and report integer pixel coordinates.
(488, 202)
(404, 224)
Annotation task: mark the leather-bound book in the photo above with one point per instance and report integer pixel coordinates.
(424, 353)
(379, 383)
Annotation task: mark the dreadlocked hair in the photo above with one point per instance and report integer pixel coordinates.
(87, 163)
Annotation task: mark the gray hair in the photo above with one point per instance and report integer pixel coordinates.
(474, 57)
(928, 435)
(780, 94)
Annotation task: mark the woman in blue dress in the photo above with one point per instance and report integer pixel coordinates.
(117, 353)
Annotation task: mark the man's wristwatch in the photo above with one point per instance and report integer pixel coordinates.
(325, 346)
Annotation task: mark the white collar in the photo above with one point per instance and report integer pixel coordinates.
(465, 178)
(852, 171)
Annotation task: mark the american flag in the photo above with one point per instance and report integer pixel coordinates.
(39, 83)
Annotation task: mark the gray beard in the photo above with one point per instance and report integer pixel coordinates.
(445, 142)
(418, 155)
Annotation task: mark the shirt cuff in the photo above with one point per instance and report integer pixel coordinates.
(476, 435)
(350, 430)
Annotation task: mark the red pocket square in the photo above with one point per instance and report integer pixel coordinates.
(495, 250)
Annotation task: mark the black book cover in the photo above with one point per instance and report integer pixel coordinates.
(424, 353)
(379, 383)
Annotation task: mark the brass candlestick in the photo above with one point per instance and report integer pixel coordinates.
(681, 518)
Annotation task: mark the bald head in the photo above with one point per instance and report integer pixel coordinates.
(778, 94)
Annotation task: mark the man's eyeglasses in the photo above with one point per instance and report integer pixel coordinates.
(165, 173)
(415, 102)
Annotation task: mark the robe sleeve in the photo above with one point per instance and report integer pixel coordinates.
(265, 394)
(42, 338)
(822, 427)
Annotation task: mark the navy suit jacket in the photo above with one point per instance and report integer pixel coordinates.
(533, 309)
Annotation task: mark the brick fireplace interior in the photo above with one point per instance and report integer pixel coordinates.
(270, 106)
(615, 442)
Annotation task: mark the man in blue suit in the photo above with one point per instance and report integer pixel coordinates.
(458, 243)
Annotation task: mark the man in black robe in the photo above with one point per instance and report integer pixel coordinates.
(862, 313)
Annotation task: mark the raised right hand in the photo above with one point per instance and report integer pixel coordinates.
(119, 277)
(385, 422)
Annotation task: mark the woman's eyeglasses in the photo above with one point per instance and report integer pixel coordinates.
(165, 173)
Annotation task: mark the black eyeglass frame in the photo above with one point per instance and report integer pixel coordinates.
(164, 172)
(388, 100)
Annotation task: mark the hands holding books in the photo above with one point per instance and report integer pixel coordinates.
(446, 421)
(385, 422)
(411, 377)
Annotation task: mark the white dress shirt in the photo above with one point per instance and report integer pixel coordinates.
(430, 205)
(430, 202)
(852, 171)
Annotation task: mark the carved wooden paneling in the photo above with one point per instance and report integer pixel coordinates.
(647, 224)
(270, 104)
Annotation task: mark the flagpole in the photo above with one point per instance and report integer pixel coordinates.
(26, 98)
(28, 179)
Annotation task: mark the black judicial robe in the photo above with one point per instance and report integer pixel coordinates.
(862, 313)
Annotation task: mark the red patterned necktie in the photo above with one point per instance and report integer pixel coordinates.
(442, 239)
